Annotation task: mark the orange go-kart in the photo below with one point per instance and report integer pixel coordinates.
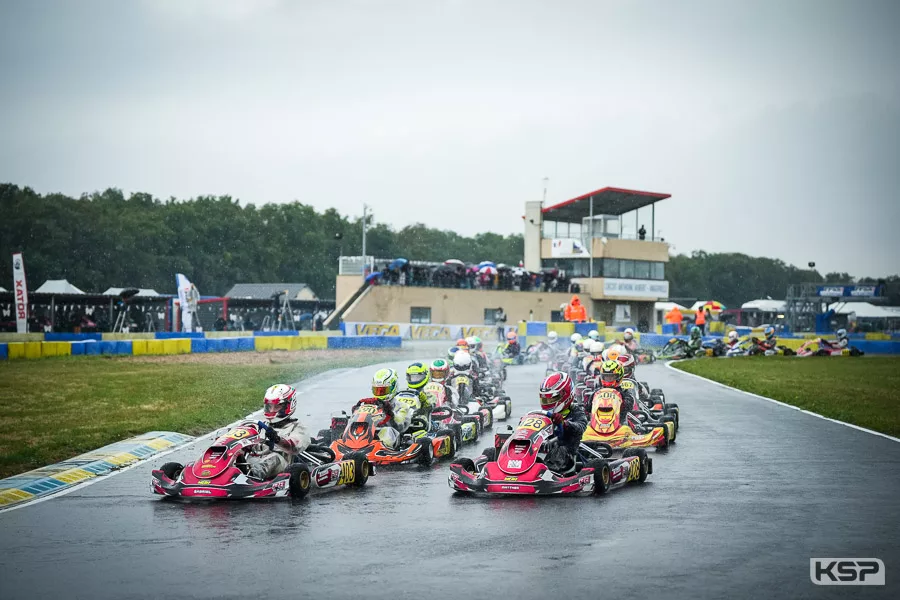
(609, 427)
(359, 432)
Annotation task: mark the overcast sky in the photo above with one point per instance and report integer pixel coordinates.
(774, 125)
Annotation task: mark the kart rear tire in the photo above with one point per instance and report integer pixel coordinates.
(426, 455)
(457, 432)
(645, 461)
(172, 470)
(454, 445)
(673, 421)
(361, 466)
(300, 482)
(601, 475)
(467, 464)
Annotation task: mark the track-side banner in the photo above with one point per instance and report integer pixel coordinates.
(20, 289)
(413, 331)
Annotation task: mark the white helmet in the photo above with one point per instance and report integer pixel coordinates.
(552, 337)
(597, 347)
(628, 334)
(280, 402)
(594, 334)
(574, 338)
(462, 361)
(732, 335)
(472, 342)
(841, 334)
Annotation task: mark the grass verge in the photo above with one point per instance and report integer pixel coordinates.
(862, 391)
(55, 408)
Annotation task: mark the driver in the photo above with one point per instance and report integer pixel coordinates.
(417, 377)
(628, 340)
(612, 375)
(769, 342)
(695, 343)
(286, 438)
(478, 357)
(733, 340)
(512, 349)
(557, 396)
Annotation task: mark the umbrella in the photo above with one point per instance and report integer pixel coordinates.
(455, 261)
(519, 271)
(397, 263)
(373, 276)
(714, 305)
(502, 267)
(305, 317)
(486, 263)
(488, 270)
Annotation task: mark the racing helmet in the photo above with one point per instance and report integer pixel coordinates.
(769, 332)
(557, 392)
(478, 343)
(552, 337)
(627, 361)
(841, 334)
(512, 337)
(439, 370)
(596, 348)
(695, 332)
(611, 373)
(575, 338)
(452, 352)
(473, 345)
(733, 335)
(462, 344)
(628, 334)
(594, 334)
(416, 376)
(280, 402)
(614, 352)
(384, 384)
(462, 361)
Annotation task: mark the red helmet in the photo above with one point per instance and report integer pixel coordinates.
(461, 343)
(557, 392)
(511, 336)
(280, 402)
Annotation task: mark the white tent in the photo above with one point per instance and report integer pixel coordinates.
(57, 286)
(767, 306)
(115, 291)
(864, 310)
(667, 306)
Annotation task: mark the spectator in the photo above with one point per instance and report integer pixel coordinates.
(700, 320)
(642, 233)
(500, 318)
(674, 317)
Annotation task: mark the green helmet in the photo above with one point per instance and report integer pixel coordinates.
(695, 332)
(416, 375)
(439, 370)
(477, 343)
(384, 384)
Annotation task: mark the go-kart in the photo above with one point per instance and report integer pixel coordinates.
(361, 432)
(675, 349)
(714, 348)
(463, 397)
(654, 400)
(823, 347)
(223, 473)
(446, 416)
(526, 461)
(606, 425)
(508, 357)
(540, 352)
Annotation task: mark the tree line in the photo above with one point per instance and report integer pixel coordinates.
(106, 239)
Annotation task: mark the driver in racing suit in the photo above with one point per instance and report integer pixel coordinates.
(557, 396)
(630, 382)
(769, 344)
(285, 438)
(695, 343)
(612, 376)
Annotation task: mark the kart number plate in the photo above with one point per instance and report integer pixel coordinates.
(368, 409)
(462, 379)
(533, 423)
(606, 395)
(348, 472)
(237, 433)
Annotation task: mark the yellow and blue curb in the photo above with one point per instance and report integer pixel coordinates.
(54, 478)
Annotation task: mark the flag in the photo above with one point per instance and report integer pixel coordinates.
(20, 289)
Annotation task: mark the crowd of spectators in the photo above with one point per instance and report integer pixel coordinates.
(455, 274)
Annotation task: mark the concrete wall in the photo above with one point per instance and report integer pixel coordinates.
(616, 248)
(345, 287)
(391, 304)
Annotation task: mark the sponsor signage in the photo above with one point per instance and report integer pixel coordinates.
(20, 293)
(635, 288)
(412, 331)
(568, 248)
(843, 291)
(429, 332)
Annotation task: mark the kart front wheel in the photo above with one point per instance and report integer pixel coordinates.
(601, 475)
(300, 481)
(172, 470)
(361, 467)
(426, 455)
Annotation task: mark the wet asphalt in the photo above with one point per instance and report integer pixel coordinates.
(748, 494)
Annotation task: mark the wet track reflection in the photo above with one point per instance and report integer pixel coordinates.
(735, 509)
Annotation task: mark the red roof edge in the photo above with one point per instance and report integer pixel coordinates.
(656, 195)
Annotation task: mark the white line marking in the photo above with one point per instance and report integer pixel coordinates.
(791, 406)
(315, 382)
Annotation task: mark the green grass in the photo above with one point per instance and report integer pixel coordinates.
(862, 391)
(55, 408)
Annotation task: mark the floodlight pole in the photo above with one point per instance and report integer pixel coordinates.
(364, 220)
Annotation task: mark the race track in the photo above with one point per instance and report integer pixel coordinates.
(748, 494)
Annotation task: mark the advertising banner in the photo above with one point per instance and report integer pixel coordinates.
(635, 288)
(413, 331)
(20, 289)
(568, 248)
(843, 291)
